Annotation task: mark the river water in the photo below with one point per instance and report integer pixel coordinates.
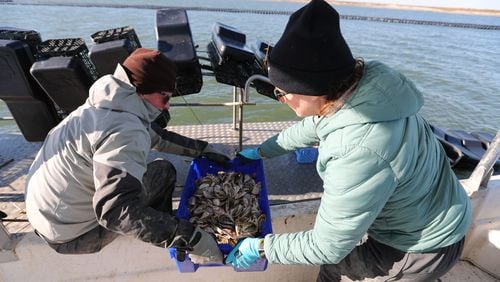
(456, 68)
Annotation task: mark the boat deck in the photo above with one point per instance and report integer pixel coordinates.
(287, 181)
(16, 154)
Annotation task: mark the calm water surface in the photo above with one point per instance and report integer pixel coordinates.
(456, 68)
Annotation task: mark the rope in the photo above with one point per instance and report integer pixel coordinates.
(192, 111)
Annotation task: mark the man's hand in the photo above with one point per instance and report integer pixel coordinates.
(245, 253)
(217, 156)
(204, 248)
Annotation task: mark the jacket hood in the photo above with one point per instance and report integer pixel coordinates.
(383, 94)
(116, 93)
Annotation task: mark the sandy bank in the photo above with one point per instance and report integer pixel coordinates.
(409, 7)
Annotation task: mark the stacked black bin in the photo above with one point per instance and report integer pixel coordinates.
(261, 51)
(176, 42)
(112, 46)
(30, 107)
(232, 61)
(64, 71)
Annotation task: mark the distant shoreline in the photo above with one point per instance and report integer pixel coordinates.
(465, 11)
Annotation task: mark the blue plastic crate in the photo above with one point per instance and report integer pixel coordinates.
(306, 155)
(200, 167)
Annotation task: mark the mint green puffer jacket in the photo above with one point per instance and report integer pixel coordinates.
(384, 174)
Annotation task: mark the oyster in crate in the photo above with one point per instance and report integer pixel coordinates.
(227, 205)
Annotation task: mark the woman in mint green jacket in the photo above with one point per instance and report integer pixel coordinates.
(384, 173)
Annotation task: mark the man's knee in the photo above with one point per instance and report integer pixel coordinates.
(162, 165)
(159, 174)
(88, 243)
(159, 183)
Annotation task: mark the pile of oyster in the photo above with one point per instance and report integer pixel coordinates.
(227, 205)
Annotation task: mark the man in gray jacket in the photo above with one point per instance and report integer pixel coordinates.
(90, 181)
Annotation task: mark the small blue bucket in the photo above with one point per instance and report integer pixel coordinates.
(306, 155)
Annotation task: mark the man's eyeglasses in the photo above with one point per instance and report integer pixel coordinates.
(279, 93)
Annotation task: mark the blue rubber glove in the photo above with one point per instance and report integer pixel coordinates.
(251, 154)
(245, 253)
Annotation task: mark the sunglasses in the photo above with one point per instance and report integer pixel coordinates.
(166, 94)
(279, 93)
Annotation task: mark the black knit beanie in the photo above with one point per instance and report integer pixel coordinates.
(150, 71)
(311, 55)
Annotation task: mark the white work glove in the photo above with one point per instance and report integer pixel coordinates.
(204, 248)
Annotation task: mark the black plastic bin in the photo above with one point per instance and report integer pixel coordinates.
(64, 71)
(65, 79)
(232, 61)
(32, 110)
(261, 51)
(176, 42)
(30, 37)
(112, 46)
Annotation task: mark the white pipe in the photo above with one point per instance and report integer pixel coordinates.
(484, 169)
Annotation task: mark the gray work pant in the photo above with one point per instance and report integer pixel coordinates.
(159, 183)
(379, 262)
